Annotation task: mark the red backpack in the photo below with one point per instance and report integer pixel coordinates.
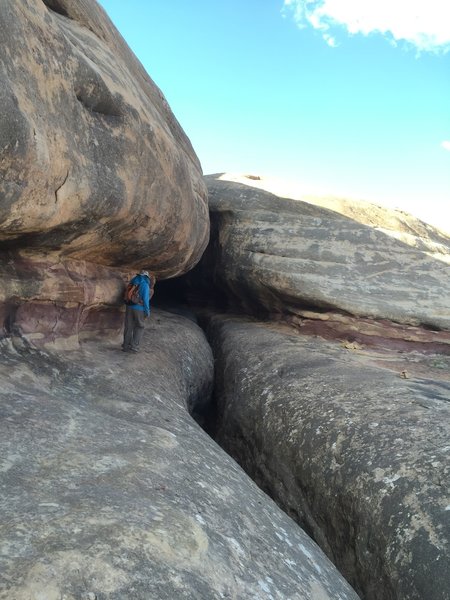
(132, 295)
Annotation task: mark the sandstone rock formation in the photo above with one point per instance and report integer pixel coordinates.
(58, 302)
(93, 161)
(94, 166)
(110, 490)
(338, 404)
(290, 257)
(352, 443)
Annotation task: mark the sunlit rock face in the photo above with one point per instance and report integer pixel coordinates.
(94, 167)
(289, 257)
(350, 442)
(110, 490)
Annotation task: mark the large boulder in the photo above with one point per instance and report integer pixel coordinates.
(110, 490)
(281, 256)
(94, 164)
(94, 167)
(351, 442)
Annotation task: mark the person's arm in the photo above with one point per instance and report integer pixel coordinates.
(146, 298)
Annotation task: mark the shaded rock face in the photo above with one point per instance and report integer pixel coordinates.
(96, 174)
(110, 490)
(288, 257)
(356, 453)
(58, 302)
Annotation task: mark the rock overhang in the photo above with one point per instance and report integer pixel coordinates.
(94, 164)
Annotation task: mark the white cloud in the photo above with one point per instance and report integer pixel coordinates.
(330, 40)
(422, 23)
(446, 145)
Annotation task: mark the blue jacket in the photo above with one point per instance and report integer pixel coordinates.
(144, 291)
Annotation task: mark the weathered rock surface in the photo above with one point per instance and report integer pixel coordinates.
(352, 443)
(93, 161)
(110, 490)
(94, 167)
(289, 257)
(58, 303)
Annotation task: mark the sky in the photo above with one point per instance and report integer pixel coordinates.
(339, 97)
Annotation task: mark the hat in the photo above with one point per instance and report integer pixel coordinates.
(144, 273)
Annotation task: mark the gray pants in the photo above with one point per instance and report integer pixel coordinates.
(134, 328)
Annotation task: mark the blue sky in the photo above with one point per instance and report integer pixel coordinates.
(348, 97)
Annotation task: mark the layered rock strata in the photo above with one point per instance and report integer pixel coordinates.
(110, 490)
(353, 444)
(274, 255)
(56, 303)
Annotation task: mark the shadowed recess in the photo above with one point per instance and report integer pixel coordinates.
(56, 7)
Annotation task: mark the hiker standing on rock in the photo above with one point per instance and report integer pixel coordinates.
(137, 300)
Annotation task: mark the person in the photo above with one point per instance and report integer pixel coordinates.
(135, 314)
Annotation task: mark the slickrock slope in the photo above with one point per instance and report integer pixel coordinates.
(353, 444)
(110, 490)
(290, 257)
(94, 167)
(338, 406)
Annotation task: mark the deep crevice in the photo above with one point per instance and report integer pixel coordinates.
(60, 186)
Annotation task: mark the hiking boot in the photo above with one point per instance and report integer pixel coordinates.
(133, 349)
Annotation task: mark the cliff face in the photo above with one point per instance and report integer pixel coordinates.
(94, 167)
